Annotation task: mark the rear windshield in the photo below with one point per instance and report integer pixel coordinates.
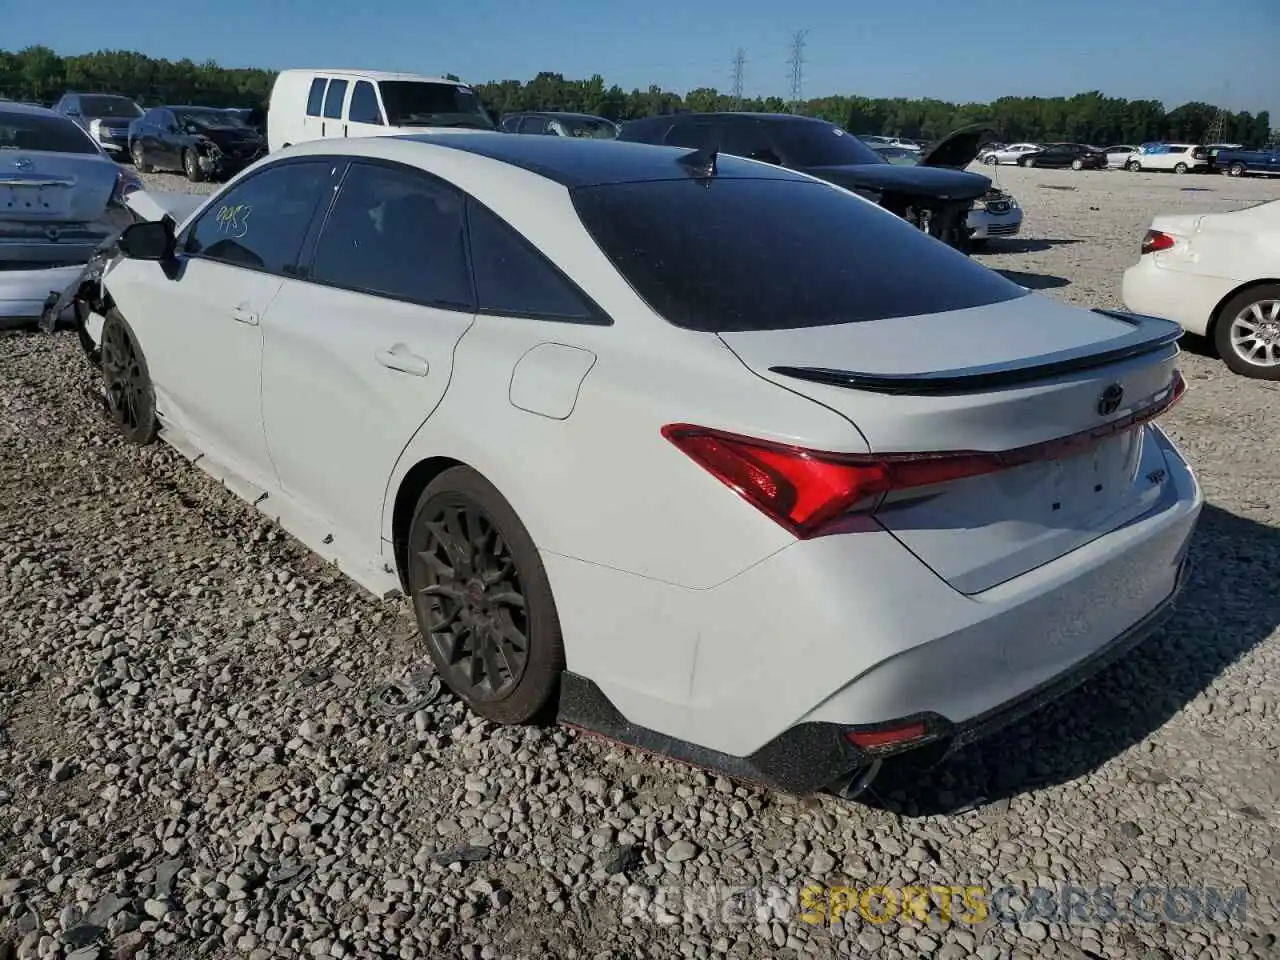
(736, 254)
(814, 143)
(101, 107)
(588, 127)
(24, 131)
(417, 103)
(207, 117)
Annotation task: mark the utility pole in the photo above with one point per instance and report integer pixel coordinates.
(1217, 129)
(796, 61)
(739, 63)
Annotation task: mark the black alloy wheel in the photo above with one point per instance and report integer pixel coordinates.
(482, 599)
(130, 397)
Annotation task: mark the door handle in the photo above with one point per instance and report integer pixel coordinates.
(243, 314)
(401, 358)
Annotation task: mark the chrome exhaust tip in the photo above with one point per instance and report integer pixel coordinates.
(857, 784)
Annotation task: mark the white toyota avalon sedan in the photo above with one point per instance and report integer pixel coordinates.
(700, 453)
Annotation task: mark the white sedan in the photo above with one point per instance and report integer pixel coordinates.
(1010, 154)
(705, 454)
(1218, 275)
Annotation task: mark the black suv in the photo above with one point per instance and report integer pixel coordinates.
(934, 195)
(105, 116)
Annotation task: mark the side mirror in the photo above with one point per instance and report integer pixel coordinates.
(149, 240)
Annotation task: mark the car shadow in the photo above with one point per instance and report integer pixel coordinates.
(1029, 244)
(1034, 281)
(1219, 618)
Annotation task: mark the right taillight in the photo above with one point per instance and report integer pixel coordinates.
(1155, 241)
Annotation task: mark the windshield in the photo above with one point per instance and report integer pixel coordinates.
(419, 103)
(101, 107)
(596, 127)
(24, 131)
(207, 117)
(816, 143)
(691, 248)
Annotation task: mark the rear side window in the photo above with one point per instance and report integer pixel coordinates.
(315, 99)
(514, 280)
(364, 104)
(694, 251)
(44, 134)
(534, 125)
(333, 99)
(396, 233)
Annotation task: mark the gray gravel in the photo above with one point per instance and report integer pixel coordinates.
(189, 765)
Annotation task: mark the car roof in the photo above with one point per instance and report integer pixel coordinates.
(16, 106)
(377, 75)
(574, 162)
(569, 114)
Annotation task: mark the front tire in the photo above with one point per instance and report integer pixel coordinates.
(191, 166)
(1247, 333)
(131, 398)
(990, 160)
(1077, 164)
(483, 601)
(139, 158)
(1133, 166)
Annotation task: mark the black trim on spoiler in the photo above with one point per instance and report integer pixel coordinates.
(1150, 335)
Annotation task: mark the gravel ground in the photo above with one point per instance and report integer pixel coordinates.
(190, 763)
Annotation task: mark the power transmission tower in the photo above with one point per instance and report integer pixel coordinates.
(1217, 129)
(739, 63)
(796, 61)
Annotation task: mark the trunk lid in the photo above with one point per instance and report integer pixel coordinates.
(1006, 377)
(55, 187)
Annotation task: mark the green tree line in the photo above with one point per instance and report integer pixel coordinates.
(39, 74)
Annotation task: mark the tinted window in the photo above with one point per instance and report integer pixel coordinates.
(693, 133)
(27, 131)
(419, 103)
(515, 280)
(533, 125)
(816, 143)
(398, 234)
(315, 99)
(364, 104)
(692, 249)
(333, 99)
(511, 124)
(261, 222)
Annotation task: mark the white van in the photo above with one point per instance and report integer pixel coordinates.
(316, 104)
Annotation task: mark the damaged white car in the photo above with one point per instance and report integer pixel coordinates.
(61, 197)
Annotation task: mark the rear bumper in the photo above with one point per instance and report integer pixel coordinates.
(1188, 299)
(23, 293)
(763, 676)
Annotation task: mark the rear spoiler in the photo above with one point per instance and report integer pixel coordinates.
(1149, 335)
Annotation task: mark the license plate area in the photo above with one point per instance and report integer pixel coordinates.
(1089, 482)
(21, 200)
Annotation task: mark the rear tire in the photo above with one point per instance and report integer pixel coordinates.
(1236, 322)
(483, 601)
(130, 396)
(1180, 168)
(1235, 170)
(1029, 162)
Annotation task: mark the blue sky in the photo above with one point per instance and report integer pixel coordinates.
(1223, 51)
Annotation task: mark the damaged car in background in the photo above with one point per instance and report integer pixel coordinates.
(996, 213)
(61, 198)
(205, 143)
(935, 195)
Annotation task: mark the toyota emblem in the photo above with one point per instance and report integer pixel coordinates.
(22, 163)
(1110, 400)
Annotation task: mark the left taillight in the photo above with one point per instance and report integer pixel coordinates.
(804, 490)
(1155, 241)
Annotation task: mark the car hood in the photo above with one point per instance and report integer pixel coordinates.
(925, 181)
(959, 148)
